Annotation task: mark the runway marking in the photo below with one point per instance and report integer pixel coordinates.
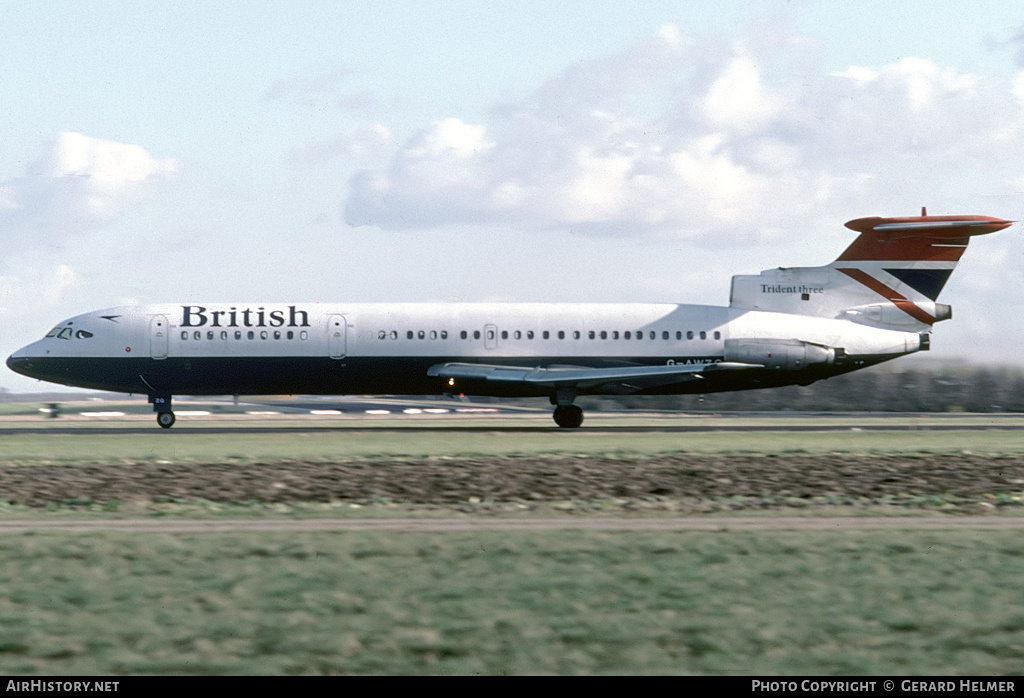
(449, 525)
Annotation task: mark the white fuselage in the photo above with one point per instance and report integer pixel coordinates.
(364, 348)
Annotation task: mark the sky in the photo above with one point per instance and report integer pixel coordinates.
(479, 151)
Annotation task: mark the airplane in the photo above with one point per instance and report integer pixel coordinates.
(877, 301)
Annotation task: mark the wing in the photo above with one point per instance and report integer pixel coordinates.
(612, 380)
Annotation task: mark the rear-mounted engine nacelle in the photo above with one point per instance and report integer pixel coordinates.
(779, 354)
(892, 315)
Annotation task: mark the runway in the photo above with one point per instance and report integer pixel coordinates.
(267, 427)
(452, 525)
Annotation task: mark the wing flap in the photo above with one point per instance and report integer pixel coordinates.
(633, 378)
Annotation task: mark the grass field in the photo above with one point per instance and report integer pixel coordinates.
(492, 603)
(558, 602)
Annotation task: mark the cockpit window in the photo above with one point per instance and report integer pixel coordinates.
(68, 333)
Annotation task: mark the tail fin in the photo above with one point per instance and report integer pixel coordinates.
(889, 277)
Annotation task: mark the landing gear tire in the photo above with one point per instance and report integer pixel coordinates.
(165, 419)
(568, 417)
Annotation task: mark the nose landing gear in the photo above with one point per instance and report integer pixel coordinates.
(162, 407)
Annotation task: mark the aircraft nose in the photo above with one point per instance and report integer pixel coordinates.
(19, 364)
(22, 361)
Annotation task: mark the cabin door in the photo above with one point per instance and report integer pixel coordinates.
(158, 332)
(336, 331)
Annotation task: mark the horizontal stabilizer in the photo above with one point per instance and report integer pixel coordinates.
(917, 238)
(930, 226)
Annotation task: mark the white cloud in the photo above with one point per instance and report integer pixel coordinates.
(31, 293)
(319, 89)
(358, 142)
(737, 99)
(79, 183)
(680, 134)
(857, 73)
(308, 88)
(1018, 87)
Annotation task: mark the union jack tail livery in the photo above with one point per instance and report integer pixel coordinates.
(890, 277)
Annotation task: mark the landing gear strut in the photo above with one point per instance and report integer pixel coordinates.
(162, 407)
(567, 415)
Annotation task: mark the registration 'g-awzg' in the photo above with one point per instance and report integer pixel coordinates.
(784, 326)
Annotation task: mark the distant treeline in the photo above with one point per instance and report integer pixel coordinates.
(893, 387)
(886, 388)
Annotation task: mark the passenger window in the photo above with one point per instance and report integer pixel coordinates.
(664, 335)
(184, 335)
(518, 334)
(444, 334)
(627, 335)
(703, 335)
(291, 335)
(561, 334)
(464, 334)
(433, 334)
(209, 335)
(640, 334)
(238, 334)
(277, 334)
(476, 334)
(679, 334)
(409, 335)
(393, 334)
(604, 334)
(689, 334)
(529, 334)
(718, 335)
(421, 334)
(303, 335)
(223, 334)
(382, 334)
(504, 334)
(592, 334)
(263, 334)
(252, 335)
(615, 334)
(546, 335)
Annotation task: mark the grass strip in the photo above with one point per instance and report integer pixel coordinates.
(834, 603)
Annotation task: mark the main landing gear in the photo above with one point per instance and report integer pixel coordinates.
(567, 415)
(162, 407)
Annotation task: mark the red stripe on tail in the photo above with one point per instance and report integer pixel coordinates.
(900, 301)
